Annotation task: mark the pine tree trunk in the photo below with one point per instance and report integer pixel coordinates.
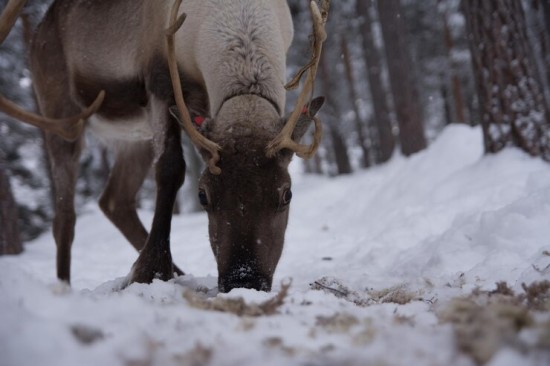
(446, 101)
(546, 10)
(408, 106)
(10, 240)
(338, 143)
(313, 165)
(539, 22)
(513, 112)
(339, 147)
(373, 65)
(458, 97)
(359, 125)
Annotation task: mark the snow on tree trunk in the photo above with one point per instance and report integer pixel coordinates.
(407, 102)
(513, 111)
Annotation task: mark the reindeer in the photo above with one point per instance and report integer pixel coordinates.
(112, 66)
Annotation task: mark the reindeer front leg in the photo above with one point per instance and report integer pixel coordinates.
(155, 260)
(64, 159)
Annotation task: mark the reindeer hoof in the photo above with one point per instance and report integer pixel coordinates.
(151, 265)
(177, 271)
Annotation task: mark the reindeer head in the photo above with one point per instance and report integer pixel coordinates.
(248, 203)
(246, 189)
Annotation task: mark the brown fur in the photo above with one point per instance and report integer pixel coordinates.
(126, 98)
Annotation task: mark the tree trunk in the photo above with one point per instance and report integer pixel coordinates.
(313, 165)
(341, 157)
(407, 103)
(538, 21)
(378, 94)
(446, 101)
(512, 105)
(359, 125)
(546, 35)
(458, 97)
(546, 10)
(338, 143)
(10, 240)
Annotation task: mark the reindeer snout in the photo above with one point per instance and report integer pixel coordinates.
(244, 277)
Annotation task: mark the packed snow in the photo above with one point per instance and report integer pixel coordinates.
(381, 264)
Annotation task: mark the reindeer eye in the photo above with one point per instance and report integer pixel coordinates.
(287, 196)
(203, 198)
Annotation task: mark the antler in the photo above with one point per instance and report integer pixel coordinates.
(9, 16)
(284, 139)
(68, 128)
(198, 139)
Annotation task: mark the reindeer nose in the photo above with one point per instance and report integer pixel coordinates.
(240, 279)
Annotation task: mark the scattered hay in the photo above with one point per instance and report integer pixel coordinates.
(537, 295)
(484, 322)
(337, 323)
(239, 306)
(502, 289)
(278, 343)
(361, 332)
(404, 320)
(396, 295)
(482, 329)
(156, 353)
(197, 356)
(338, 289)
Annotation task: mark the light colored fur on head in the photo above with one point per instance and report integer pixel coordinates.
(236, 47)
(245, 116)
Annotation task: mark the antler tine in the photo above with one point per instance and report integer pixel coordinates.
(9, 17)
(198, 139)
(284, 139)
(68, 128)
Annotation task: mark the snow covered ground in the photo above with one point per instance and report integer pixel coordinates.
(396, 265)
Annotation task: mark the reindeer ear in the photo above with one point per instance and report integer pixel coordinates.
(305, 119)
(198, 120)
